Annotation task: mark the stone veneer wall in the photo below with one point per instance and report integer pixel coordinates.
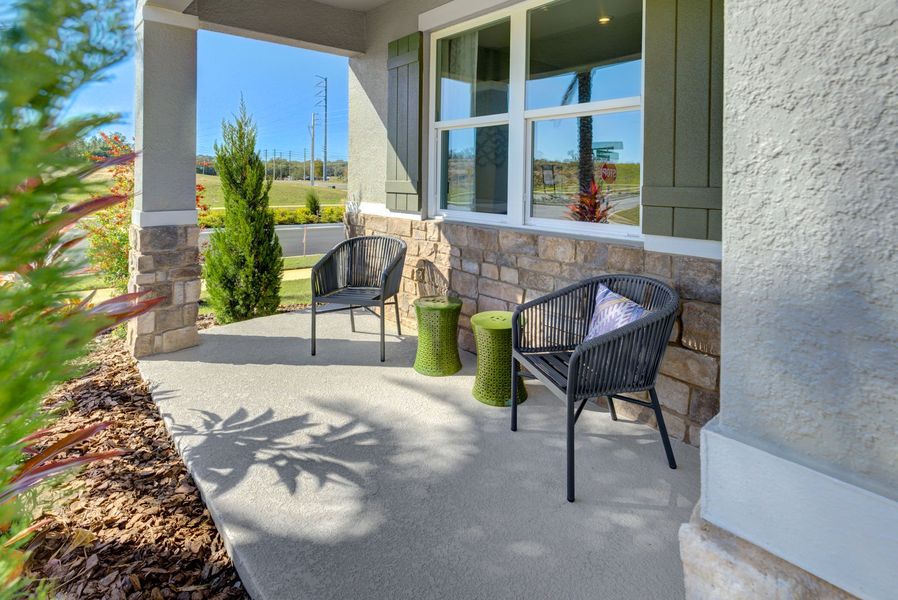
(496, 269)
(165, 260)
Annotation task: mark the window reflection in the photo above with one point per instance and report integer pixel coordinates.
(475, 169)
(473, 73)
(587, 168)
(575, 59)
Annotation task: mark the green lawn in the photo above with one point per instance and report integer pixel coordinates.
(295, 291)
(283, 193)
(88, 282)
(301, 262)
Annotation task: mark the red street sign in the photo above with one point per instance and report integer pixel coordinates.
(609, 172)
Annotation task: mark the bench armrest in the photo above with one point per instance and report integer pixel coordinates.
(329, 273)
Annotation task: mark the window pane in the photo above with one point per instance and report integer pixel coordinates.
(573, 58)
(474, 173)
(473, 73)
(587, 168)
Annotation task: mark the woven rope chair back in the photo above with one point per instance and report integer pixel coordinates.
(367, 258)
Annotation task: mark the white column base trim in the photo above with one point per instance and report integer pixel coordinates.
(376, 208)
(687, 246)
(842, 533)
(163, 217)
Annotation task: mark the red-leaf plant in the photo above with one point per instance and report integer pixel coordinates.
(110, 313)
(591, 207)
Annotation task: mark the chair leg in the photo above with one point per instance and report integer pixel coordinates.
(570, 450)
(398, 324)
(656, 406)
(515, 368)
(313, 327)
(352, 318)
(383, 356)
(611, 408)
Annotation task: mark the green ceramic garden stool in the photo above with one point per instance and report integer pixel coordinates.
(492, 334)
(437, 335)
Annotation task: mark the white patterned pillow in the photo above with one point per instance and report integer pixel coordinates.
(612, 311)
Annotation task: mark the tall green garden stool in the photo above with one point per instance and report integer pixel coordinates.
(492, 334)
(437, 354)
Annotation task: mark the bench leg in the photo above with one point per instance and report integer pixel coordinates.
(313, 327)
(570, 449)
(383, 352)
(515, 369)
(656, 406)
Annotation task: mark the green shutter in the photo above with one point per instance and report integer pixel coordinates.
(404, 124)
(683, 118)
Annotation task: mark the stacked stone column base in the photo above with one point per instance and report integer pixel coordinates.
(718, 564)
(165, 261)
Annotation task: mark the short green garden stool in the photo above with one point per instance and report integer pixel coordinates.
(437, 354)
(492, 334)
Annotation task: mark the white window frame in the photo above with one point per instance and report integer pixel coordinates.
(520, 127)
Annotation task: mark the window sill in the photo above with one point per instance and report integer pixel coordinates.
(635, 240)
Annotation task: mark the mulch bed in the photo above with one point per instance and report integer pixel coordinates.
(135, 526)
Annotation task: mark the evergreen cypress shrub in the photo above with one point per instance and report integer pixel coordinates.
(313, 204)
(243, 263)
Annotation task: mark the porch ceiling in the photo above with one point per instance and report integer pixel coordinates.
(337, 476)
(362, 5)
(336, 26)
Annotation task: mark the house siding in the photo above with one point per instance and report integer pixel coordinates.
(368, 93)
(683, 107)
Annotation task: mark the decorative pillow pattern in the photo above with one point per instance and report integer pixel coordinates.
(612, 311)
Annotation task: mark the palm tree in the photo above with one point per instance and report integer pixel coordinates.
(582, 83)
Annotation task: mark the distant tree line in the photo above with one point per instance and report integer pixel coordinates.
(282, 169)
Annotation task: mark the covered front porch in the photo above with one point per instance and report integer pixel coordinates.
(337, 476)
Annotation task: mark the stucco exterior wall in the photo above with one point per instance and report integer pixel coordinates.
(810, 236)
(165, 118)
(368, 96)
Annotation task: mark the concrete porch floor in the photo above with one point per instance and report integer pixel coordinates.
(337, 476)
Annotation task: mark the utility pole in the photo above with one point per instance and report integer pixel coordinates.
(322, 95)
(289, 164)
(312, 162)
(274, 164)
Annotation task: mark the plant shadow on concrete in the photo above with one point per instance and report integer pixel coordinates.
(230, 447)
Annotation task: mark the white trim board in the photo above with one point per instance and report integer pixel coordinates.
(456, 10)
(842, 533)
(156, 14)
(376, 208)
(159, 218)
(686, 246)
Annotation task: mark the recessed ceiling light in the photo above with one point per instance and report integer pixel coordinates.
(604, 20)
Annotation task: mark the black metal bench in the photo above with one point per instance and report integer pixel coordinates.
(547, 339)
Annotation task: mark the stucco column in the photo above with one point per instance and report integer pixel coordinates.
(800, 468)
(164, 255)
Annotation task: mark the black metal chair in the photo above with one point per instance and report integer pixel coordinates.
(547, 339)
(360, 272)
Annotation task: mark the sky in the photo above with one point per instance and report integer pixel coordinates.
(278, 85)
(276, 81)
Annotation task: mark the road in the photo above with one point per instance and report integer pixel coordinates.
(318, 238)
